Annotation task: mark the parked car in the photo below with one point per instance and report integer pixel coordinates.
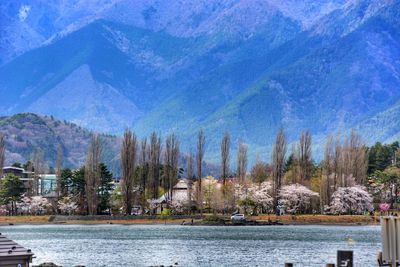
(238, 217)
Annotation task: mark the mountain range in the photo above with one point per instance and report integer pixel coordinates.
(247, 67)
(28, 134)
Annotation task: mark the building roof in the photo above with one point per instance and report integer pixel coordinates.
(13, 168)
(48, 176)
(182, 184)
(9, 248)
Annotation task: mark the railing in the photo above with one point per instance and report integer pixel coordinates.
(390, 255)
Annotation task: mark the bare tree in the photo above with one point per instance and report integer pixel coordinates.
(30, 171)
(358, 158)
(144, 169)
(93, 174)
(337, 164)
(171, 163)
(242, 162)
(303, 158)
(154, 166)
(278, 162)
(201, 139)
(328, 165)
(293, 160)
(2, 153)
(354, 160)
(348, 161)
(58, 169)
(39, 169)
(128, 164)
(190, 176)
(225, 147)
(259, 172)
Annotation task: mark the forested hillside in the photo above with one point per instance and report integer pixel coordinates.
(28, 133)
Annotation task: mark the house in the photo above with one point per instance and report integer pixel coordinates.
(25, 176)
(20, 172)
(47, 183)
(180, 192)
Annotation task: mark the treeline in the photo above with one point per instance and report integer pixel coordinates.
(150, 168)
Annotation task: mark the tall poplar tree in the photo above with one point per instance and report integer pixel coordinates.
(128, 164)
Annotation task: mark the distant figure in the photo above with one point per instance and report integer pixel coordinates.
(350, 242)
(192, 221)
(183, 223)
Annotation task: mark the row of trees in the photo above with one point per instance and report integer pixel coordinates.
(150, 169)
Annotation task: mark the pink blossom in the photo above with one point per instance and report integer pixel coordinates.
(351, 200)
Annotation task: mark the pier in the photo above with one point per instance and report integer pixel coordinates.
(13, 254)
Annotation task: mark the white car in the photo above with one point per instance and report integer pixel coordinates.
(238, 217)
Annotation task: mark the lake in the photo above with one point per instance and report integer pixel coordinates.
(149, 245)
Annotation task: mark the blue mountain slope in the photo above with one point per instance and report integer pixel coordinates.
(246, 69)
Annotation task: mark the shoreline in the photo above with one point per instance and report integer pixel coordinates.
(261, 220)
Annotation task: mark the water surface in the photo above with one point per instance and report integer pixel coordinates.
(149, 245)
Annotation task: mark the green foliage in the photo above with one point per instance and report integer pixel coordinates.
(78, 181)
(17, 165)
(381, 156)
(66, 181)
(11, 190)
(165, 213)
(289, 162)
(259, 172)
(78, 186)
(116, 200)
(106, 179)
(28, 166)
(390, 175)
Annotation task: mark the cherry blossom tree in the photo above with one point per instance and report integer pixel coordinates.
(36, 205)
(351, 200)
(256, 196)
(296, 198)
(178, 206)
(3, 210)
(261, 195)
(67, 205)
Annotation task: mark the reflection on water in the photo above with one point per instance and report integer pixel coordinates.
(146, 245)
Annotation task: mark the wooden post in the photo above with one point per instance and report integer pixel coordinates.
(288, 264)
(345, 258)
(330, 265)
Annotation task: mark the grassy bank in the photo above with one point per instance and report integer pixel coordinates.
(286, 219)
(320, 219)
(24, 219)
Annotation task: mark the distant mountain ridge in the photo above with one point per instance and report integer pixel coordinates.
(247, 67)
(27, 26)
(27, 132)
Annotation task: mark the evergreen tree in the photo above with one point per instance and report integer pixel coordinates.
(105, 189)
(380, 156)
(11, 190)
(65, 182)
(78, 187)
